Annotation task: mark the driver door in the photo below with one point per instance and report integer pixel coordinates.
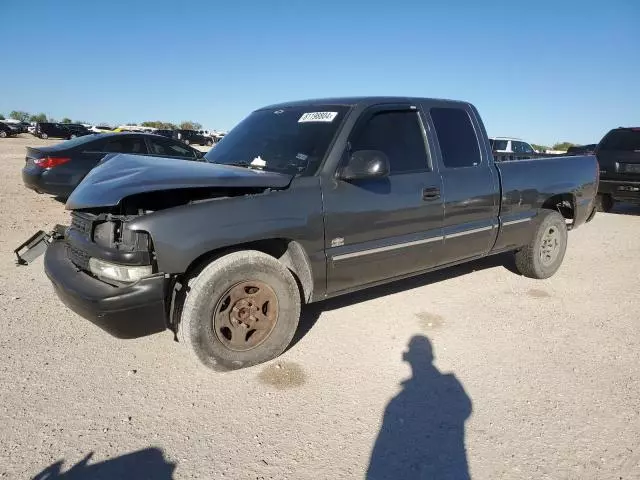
(380, 228)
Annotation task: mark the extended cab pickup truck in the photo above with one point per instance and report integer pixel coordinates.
(298, 203)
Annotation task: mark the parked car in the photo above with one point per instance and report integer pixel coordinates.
(301, 202)
(60, 130)
(217, 136)
(18, 126)
(582, 149)
(619, 158)
(6, 130)
(506, 148)
(58, 169)
(100, 128)
(192, 137)
(166, 133)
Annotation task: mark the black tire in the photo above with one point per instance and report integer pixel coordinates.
(604, 202)
(72, 136)
(3, 134)
(209, 143)
(207, 295)
(44, 136)
(542, 257)
(186, 140)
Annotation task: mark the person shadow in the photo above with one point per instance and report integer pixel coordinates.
(148, 463)
(422, 434)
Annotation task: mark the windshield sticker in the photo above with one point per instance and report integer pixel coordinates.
(258, 162)
(318, 117)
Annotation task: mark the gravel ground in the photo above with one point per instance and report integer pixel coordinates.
(538, 379)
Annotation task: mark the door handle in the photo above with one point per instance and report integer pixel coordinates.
(430, 193)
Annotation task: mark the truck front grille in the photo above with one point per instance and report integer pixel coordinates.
(78, 257)
(82, 222)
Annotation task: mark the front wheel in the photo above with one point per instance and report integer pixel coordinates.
(186, 140)
(241, 310)
(72, 136)
(542, 257)
(44, 136)
(3, 134)
(209, 143)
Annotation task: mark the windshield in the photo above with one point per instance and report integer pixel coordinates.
(290, 140)
(622, 140)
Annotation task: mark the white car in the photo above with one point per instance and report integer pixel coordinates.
(510, 145)
(100, 128)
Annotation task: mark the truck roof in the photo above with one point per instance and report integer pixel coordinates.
(361, 101)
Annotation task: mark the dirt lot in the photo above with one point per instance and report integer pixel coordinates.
(538, 379)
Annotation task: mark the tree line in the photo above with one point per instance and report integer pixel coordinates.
(556, 146)
(42, 117)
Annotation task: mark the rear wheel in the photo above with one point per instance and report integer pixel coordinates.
(44, 136)
(73, 135)
(209, 143)
(604, 202)
(241, 310)
(542, 257)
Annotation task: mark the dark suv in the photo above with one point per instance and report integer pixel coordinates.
(6, 130)
(619, 158)
(165, 132)
(192, 137)
(61, 130)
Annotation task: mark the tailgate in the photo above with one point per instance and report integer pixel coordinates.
(614, 164)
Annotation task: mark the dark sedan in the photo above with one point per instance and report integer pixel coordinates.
(58, 169)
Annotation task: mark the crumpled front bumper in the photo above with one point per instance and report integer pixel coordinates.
(129, 311)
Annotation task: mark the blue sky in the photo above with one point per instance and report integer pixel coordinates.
(546, 71)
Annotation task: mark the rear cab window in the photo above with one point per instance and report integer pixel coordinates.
(457, 138)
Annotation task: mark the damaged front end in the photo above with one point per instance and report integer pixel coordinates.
(103, 271)
(37, 244)
(103, 265)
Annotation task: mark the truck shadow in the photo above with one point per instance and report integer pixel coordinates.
(311, 313)
(423, 428)
(143, 464)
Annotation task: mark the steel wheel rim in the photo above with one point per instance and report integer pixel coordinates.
(550, 246)
(245, 315)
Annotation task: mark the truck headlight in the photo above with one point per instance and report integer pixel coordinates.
(121, 273)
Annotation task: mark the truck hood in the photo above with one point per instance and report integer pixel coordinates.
(124, 175)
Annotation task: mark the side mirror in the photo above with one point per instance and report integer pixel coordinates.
(365, 164)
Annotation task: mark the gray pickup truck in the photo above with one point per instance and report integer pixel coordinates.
(300, 202)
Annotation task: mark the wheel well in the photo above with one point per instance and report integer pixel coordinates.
(289, 252)
(564, 204)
